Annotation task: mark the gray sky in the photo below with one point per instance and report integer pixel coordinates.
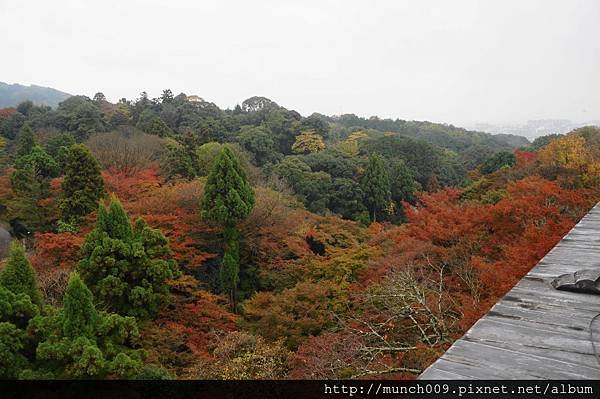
(446, 61)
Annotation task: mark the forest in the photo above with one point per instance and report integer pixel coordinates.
(166, 238)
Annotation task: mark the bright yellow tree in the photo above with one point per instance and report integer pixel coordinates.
(350, 145)
(566, 152)
(307, 142)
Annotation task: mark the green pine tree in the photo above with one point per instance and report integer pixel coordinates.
(127, 269)
(82, 185)
(78, 341)
(229, 274)
(31, 182)
(228, 198)
(178, 162)
(149, 122)
(26, 141)
(403, 188)
(18, 276)
(16, 310)
(375, 185)
(12, 343)
(80, 315)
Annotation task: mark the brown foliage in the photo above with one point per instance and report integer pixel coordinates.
(127, 155)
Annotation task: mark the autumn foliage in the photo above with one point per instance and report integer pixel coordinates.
(318, 296)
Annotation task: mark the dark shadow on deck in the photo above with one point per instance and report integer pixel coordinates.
(535, 331)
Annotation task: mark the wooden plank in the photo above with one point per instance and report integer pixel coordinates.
(535, 331)
(438, 374)
(514, 364)
(565, 348)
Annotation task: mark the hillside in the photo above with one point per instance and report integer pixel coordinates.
(168, 238)
(13, 94)
(534, 128)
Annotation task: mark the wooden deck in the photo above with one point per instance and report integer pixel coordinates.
(535, 331)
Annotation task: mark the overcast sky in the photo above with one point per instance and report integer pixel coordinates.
(446, 61)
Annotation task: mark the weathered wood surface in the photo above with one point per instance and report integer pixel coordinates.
(535, 331)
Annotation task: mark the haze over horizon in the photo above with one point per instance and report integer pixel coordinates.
(462, 62)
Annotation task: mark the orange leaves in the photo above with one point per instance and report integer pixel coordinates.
(484, 248)
(7, 112)
(173, 208)
(130, 187)
(524, 158)
(201, 318)
(441, 218)
(536, 202)
(194, 317)
(182, 231)
(56, 250)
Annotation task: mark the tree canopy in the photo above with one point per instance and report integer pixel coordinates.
(18, 276)
(228, 197)
(82, 185)
(375, 184)
(127, 268)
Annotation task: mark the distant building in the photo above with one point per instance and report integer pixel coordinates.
(195, 99)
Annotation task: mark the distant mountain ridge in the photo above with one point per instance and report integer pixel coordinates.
(443, 135)
(533, 128)
(13, 94)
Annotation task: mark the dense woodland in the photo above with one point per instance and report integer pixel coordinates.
(167, 238)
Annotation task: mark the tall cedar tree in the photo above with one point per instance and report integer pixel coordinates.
(228, 198)
(26, 141)
(403, 188)
(16, 310)
(82, 185)
(18, 276)
(375, 184)
(78, 341)
(127, 268)
(403, 184)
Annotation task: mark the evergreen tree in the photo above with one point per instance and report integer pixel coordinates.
(80, 315)
(375, 185)
(228, 198)
(31, 182)
(25, 206)
(82, 185)
(26, 141)
(58, 148)
(16, 309)
(127, 268)
(12, 343)
(151, 123)
(229, 274)
(18, 276)
(497, 161)
(78, 341)
(178, 163)
(44, 166)
(15, 313)
(403, 188)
